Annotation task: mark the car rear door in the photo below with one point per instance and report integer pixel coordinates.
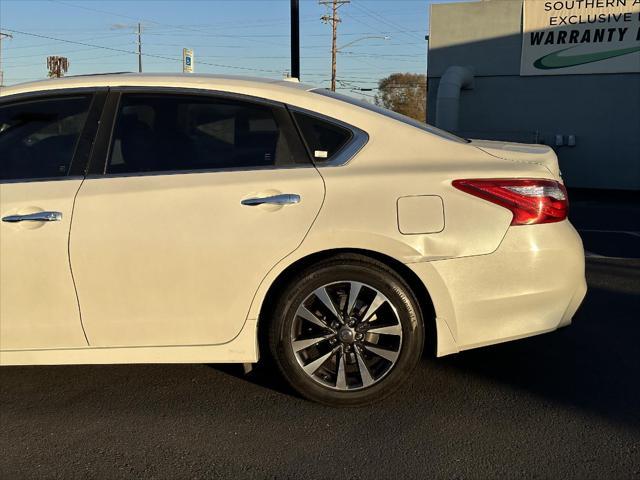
(194, 199)
(44, 146)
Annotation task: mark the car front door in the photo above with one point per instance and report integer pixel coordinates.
(199, 197)
(44, 144)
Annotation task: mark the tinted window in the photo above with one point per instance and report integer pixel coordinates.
(391, 114)
(38, 138)
(324, 139)
(184, 132)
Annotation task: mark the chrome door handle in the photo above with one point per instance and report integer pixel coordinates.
(34, 217)
(282, 199)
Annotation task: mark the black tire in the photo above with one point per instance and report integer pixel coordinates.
(356, 268)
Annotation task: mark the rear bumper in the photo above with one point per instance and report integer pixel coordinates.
(533, 283)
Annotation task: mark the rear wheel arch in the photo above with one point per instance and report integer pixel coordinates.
(417, 287)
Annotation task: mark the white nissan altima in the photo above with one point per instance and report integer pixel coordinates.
(169, 218)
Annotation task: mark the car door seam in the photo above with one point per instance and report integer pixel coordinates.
(266, 275)
(73, 279)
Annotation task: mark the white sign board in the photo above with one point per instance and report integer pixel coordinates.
(187, 60)
(562, 37)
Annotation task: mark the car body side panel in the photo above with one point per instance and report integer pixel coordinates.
(481, 300)
(532, 284)
(474, 230)
(38, 305)
(242, 349)
(351, 219)
(176, 259)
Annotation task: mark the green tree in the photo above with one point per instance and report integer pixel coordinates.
(405, 93)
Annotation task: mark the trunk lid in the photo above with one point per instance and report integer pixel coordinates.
(522, 152)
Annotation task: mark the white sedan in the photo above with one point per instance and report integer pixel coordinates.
(170, 218)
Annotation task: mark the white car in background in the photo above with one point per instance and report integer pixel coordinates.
(170, 218)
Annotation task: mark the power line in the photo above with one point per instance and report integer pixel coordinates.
(378, 55)
(48, 44)
(368, 25)
(259, 35)
(82, 7)
(83, 61)
(19, 57)
(178, 27)
(223, 25)
(160, 29)
(136, 53)
(382, 19)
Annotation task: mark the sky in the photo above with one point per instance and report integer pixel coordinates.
(244, 37)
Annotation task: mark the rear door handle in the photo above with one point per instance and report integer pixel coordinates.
(282, 199)
(34, 217)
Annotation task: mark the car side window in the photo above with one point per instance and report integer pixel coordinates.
(169, 132)
(38, 137)
(324, 139)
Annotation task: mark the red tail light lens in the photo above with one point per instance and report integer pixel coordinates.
(531, 201)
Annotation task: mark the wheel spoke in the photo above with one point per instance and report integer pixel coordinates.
(305, 313)
(381, 352)
(341, 380)
(307, 342)
(353, 296)
(390, 330)
(323, 296)
(311, 368)
(365, 376)
(337, 319)
(375, 304)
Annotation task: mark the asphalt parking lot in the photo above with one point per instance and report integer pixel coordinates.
(565, 404)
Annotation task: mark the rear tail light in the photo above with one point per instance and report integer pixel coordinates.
(531, 201)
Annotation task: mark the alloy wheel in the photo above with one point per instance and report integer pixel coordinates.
(346, 335)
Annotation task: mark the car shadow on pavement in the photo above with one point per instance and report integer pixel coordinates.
(262, 375)
(592, 365)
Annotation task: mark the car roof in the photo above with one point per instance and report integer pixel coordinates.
(185, 80)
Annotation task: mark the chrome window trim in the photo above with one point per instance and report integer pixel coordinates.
(54, 92)
(205, 92)
(157, 173)
(359, 138)
(44, 179)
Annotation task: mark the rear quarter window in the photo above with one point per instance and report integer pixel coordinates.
(323, 138)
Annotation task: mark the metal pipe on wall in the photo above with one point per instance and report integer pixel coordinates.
(455, 79)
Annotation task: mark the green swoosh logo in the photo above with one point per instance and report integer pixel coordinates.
(553, 60)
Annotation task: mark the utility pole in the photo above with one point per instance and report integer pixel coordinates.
(5, 35)
(295, 39)
(139, 48)
(334, 19)
(137, 30)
